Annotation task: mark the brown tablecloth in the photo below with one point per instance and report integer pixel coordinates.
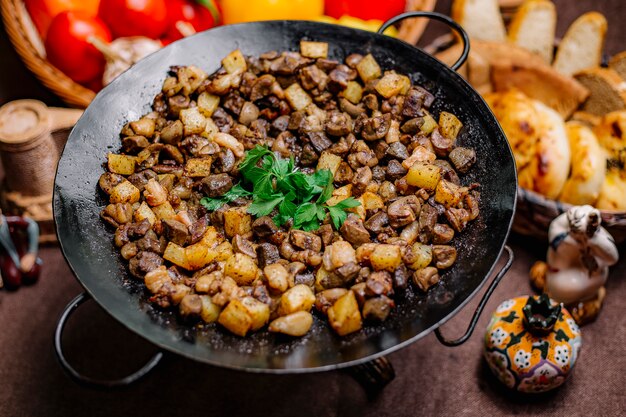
(431, 380)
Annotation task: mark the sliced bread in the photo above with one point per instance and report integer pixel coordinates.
(588, 119)
(533, 27)
(411, 30)
(618, 64)
(607, 88)
(481, 19)
(541, 82)
(582, 45)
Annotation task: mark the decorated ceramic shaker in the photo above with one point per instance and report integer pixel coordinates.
(532, 344)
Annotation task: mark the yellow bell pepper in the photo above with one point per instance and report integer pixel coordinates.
(356, 23)
(237, 11)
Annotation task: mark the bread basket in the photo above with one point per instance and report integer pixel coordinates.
(28, 44)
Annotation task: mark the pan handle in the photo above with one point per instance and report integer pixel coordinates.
(442, 18)
(481, 305)
(86, 380)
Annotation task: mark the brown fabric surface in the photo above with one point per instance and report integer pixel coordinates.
(432, 380)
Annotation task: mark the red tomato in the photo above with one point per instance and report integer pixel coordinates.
(68, 49)
(134, 17)
(186, 11)
(43, 11)
(364, 9)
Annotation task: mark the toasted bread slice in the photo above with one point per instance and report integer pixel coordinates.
(450, 56)
(588, 119)
(618, 64)
(533, 27)
(481, 19)
(582, 45)
(411, 30)
(538, 138)
(608, 90)
(479, 73)
(507, 4)
(541, 82)
(588, 166)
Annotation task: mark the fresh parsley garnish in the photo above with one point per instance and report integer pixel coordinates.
(275, 183)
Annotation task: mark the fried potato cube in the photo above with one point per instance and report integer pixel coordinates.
(236, 318)
(223, 251)
(345, 191)
(393, 134)
(329, 161)
(164, 211)
(211, 129)
(208, 103)
(237, 222)
(210, 238)
(386, 257)
(371, 201)
(193, 121)
(295, 324)
(449, 125)
(311, 49)
(121, 164)
(198, 256)
(210, 311)
(198, 167)
(448, 193)
(344, 316)
(406, 84)
(423, 175)
(235, 62)
(359, 210)
(428, 125)
(421, 256)
(298, 98)
(260, 312)
(176, 255)
(144, 212)
(390, 85)
(298, 298)
(368, 68)
(124, 192)
(353, 92)
(241, 268)
(144, 126)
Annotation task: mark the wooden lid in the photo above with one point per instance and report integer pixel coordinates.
(22, 123)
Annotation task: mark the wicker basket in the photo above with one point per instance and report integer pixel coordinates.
(28, 45)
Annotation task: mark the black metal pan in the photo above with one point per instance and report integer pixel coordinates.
(88, 248)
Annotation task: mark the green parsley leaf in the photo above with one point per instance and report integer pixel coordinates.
(278, 184)
(261, 207)
(237, 191)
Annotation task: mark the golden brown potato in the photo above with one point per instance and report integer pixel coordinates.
(237, 222)
(208, 103)
(368, 68)
(121, 164)
(258, 311)
(298, 98)
(176, 255)
(210, 311)
(353, 92)
(164, 211)
(448, 193)
(235, 62)
(198, 167)
(421, 256)
(236, 318)
(386, 257)
(329, 161)
(298, 298)
(295, 324)
(423, 175)
(390, 85)
(344, 316)
(124, 192)
(371, 201)
(193, 121)
(241, 268)
(313, 49)
(449, 125)
(429, 125)
(144, 212)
